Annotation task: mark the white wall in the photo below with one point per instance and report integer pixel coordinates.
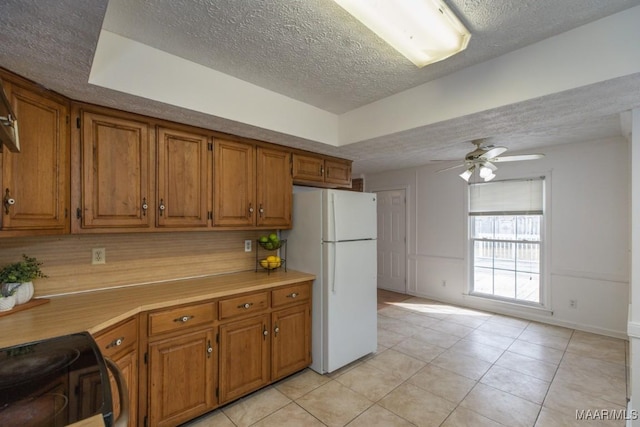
(587, 237)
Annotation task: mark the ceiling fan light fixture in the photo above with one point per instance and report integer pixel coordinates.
(489, 177)
(485, 172)
(467, 174)
(424, 31)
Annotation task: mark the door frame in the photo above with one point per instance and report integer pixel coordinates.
(406, 189)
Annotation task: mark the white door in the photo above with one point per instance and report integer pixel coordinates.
(392, 238)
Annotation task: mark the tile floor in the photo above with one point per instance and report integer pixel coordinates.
(442, 365)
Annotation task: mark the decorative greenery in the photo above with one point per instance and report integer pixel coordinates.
(22, 271)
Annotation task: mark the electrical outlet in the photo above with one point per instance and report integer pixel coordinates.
(247, 245)
(573, 303)
(98, 256)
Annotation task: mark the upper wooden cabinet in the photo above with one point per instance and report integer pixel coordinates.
(183, 186)
(234, 202)
(321, 171)
(253, 185)
(274, 187)
(116, 183)
(35, 182)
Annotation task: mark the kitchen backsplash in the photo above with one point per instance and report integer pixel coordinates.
(130, 258)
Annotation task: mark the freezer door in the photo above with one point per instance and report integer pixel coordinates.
(349, 215)
(350, 317)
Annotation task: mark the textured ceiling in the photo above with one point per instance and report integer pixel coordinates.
(313, 51)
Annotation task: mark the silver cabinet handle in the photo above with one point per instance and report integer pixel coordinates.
(183, 319)
(116, 343)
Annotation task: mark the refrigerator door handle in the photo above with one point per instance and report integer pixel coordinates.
(334, 232)
(334, 249)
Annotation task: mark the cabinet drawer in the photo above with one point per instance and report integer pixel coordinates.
(117, 338)
(181, 318)
(244, 305)
(291, 294)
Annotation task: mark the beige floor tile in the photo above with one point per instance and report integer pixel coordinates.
(400, 327)
(213, 419)
(469, 367)
(422, 320)
(419, 349)
(369, 381)
(516, 383)
(502, 407)
(417, 405)
(443, 383)
(397, 364)
(544, 338)
(550, 329)
(462, 417)
(438, 338)
(377, 416)
(598, 347)
(256, 406)
(291, 415)
(334, 404)
(490, 339)
(426, 307)
(509, 321)
(501, 329)
(540, 352)
(527, 365)
(387, 338)
(567, 400)
(452, 328)
(300, 384)
(394, 311)
(551, 418)
(470, 320)
(477, 350)
(597, 378)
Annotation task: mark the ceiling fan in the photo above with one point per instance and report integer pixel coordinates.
(483, 158)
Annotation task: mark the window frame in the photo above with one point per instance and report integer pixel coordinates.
(543, 245)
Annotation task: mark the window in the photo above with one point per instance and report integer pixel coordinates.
(506, 223)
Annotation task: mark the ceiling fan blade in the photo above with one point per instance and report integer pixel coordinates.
(517, 158)
(492, 152)
(451, 167)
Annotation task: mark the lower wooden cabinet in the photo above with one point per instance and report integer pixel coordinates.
(244, 357)
(181, 377)
(206, 354)
(120, 344)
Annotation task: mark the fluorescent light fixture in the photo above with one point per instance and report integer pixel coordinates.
(425, 31)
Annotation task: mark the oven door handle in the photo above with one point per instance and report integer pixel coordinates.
(123, 393)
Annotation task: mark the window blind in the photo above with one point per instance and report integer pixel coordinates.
(511, 197)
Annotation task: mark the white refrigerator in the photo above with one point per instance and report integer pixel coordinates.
(334, 237)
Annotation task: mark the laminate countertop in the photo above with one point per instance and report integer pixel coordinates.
(97, 310)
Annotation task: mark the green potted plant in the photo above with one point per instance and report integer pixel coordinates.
(17, 280)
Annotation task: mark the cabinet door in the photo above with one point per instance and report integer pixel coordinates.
(274, 188)
(234, 178)
(37, 178)
(116, 184)
(128, 364)
(181, 378)
(291, 341)
(308, 168)
(183, 186)
(337, 172)
(244, 357)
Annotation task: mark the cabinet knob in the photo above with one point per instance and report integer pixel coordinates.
(209, 349)
(116, 343)
(162, 207)
(183, 319)
(276, 330)
(8, 201)
(245, 305)
(292, 295)
(250, 209)
(145, 206)
(261, 210)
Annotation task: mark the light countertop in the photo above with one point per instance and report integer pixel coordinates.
(97, 310)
